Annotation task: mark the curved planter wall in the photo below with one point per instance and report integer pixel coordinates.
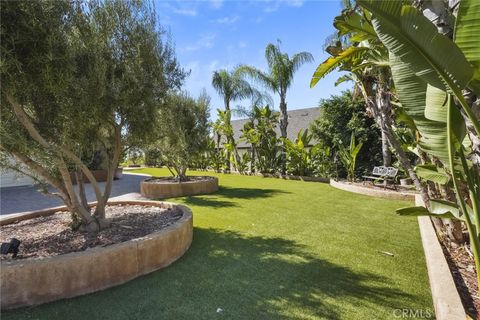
(178, 189)
(35, 281)
(379, 193)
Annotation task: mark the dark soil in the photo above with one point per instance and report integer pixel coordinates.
(461, 263)
(176, 180)
(51, 235)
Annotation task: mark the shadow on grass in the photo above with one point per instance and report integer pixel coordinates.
(248, 193)
(230, 193)
(246, 277)
(208, 202)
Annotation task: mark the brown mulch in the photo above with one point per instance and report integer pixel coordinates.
(461, 263)
(175, 179)
(52, 235)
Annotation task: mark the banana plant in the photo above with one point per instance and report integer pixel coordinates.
(430, 71)
(366, 58)
(299, 154)
(348, 156)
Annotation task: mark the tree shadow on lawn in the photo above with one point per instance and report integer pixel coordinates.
(248, 193)
(231, 193)
(246, 277)
(203, 201)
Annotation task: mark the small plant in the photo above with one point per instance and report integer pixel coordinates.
(348, 156)
(299, 154)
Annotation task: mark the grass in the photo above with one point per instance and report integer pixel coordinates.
(266, 248)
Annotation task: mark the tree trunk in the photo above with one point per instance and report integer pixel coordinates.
(386, 153)
(283, 130)
(252, 160)
(229, 137)
(382, 112)
(81, 188)
(182, 174)
(474, 103)
(112, 167)
(283, 118)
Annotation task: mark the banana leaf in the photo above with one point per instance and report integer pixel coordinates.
(334, 62)
(467, 37)
(432, 173)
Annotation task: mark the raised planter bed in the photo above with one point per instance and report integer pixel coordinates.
(374, 192)
(166, 187)
(39, 280)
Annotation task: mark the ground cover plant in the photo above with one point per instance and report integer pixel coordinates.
(268, 248)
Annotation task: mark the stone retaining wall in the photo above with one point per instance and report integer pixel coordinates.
(35, 281)
(157, 190)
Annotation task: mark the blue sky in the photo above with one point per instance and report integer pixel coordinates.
(216, 34)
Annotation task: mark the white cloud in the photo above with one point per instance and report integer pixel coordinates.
(205, 41)
(227, 20)
(242, 44)
(295, 3)
(185, 12)
(272, 6)
(257, 19)
(216, 4)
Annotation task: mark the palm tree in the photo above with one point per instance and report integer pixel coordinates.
(253, 115)
(279, 77)
(232, 87)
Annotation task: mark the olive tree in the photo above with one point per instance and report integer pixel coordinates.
(78, 76)
(182, 131)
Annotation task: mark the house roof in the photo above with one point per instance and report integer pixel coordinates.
(297, 120)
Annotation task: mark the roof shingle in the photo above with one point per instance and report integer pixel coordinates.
(297, 120)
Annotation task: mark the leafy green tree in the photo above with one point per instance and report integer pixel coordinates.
(340, 116)
(279, 77)
(183, 131)
(76, 76)
(153, 157)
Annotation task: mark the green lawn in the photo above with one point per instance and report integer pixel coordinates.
(266, 248)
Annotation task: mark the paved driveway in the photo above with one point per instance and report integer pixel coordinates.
(27, 198)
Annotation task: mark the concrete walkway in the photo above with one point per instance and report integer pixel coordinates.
(27, 198)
